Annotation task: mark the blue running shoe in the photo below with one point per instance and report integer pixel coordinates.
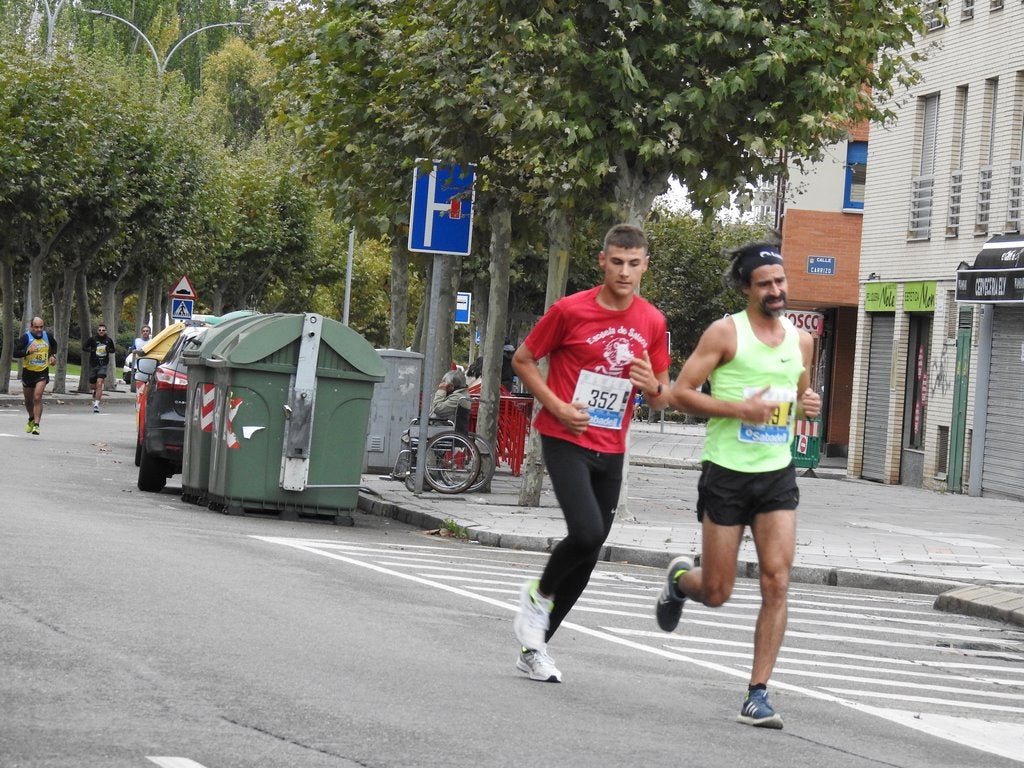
(758, 712)
(670, 601)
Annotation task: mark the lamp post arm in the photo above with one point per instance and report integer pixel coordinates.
(196, 32)
(139, 32)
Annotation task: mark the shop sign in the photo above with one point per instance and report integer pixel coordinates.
(919, 296)
(812, 322)
(879, 297)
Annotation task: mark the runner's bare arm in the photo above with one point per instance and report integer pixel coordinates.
(809, 403)
(717, 345)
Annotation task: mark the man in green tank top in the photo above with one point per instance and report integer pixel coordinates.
(758, 365)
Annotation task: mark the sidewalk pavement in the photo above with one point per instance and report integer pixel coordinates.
(967, 551)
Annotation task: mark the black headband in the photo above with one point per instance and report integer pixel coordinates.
(750, 259)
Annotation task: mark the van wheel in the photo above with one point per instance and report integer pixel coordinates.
(152, 472)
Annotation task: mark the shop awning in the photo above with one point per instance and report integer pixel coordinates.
(997, 275)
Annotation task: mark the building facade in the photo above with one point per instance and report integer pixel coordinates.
(938, 378)
(821, 225)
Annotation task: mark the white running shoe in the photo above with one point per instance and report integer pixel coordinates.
(538, 665)
(532, 622)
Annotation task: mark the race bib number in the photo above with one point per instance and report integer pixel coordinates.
(606, 398)
(778, 430)
(37, 355)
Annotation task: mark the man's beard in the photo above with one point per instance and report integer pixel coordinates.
(769, 312)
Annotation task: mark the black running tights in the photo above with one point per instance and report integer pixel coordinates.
(586, 484)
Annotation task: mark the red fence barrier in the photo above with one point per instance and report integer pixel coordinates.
(514, 416)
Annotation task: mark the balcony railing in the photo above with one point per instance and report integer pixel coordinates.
(1015, 197)
(956, 186)
(921, 192)
(981, 216)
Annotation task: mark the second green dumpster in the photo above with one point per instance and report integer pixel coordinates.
(289, 437)
(204, 402)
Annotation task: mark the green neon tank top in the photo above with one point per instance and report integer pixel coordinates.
(756, 447)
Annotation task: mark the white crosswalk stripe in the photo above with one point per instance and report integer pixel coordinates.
(889, 655)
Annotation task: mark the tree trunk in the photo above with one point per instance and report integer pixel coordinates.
(109, 304)
(500, 220)
(422, 317)
(141, 305)
(159, 306)
(63, 305)
(33, 306)
(399, 320)
(34, 289)
(7, 322)
(559, 227)
(216, 303)
(636, 189)
(480, 289)
(84, 325)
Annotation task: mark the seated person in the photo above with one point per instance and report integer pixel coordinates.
(475, 373)
(474, 377)
(450, 392)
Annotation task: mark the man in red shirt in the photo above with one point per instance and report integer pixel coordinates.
(602, 345)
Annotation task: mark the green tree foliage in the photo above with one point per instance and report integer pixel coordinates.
(606, 95)
(686, 276)
(235, 97)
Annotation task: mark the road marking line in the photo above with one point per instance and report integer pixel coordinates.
(174, 762)
(960, 703)
(972, 734)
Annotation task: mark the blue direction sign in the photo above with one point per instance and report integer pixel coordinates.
(181, 309)
(463, 302)
(441, 214)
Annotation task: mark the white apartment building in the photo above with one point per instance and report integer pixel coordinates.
(938, 378)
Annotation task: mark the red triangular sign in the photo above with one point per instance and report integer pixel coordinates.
(183, 289)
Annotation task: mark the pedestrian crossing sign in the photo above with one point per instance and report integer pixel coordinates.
(181, 309)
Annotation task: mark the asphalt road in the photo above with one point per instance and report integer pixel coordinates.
(138, 630)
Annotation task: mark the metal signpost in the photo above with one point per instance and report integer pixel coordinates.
(441, 223)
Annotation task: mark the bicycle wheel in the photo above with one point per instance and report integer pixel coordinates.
(487, 463)
(451, 462)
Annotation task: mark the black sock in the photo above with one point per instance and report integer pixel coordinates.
(758, 687)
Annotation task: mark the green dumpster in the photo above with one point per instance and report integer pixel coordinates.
(204, 402)
(290, 438)
(806, 445)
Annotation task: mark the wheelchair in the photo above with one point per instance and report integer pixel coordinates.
(456, 460)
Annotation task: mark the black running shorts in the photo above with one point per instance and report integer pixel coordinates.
(728, 497)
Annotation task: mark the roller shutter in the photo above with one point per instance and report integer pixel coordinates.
(1003, 473)
(877, 425)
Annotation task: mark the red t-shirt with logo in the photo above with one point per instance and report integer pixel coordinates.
(581, 338)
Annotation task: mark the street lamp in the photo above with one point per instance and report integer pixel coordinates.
(161, 67)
